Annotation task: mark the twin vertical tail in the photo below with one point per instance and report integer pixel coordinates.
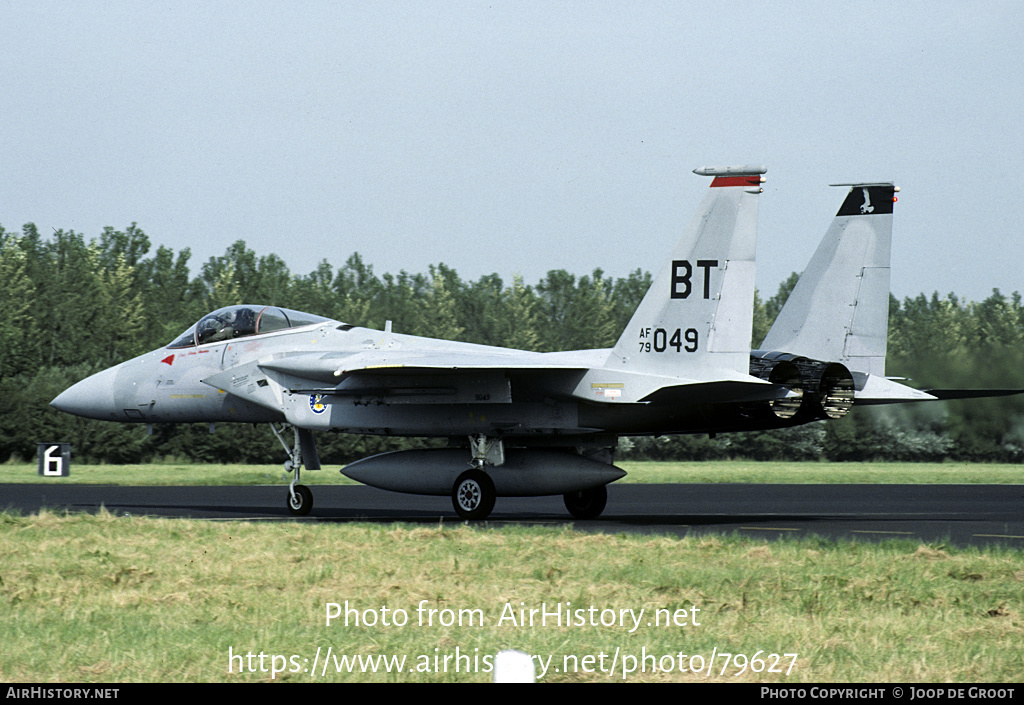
(698, 314)
(839, 309)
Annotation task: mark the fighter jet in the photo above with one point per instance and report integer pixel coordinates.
(523, 423)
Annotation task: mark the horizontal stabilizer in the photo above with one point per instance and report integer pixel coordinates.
(873, 390)
(885, 391)
(972, 393)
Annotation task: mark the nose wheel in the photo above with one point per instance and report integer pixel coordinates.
(300, 500)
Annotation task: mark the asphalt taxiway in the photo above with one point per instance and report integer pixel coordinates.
(957, 514)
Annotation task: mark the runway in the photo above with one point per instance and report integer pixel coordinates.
(958, 514)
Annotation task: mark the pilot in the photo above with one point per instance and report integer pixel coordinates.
(213, 328)
(245, 322)
(225, 327)
(217, 327)
(234, 322)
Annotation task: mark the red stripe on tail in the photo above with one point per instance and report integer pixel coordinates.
(748, 180)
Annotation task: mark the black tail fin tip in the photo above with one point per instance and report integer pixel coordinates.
(868, 199)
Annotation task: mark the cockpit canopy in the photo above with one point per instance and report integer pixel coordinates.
(240, 321)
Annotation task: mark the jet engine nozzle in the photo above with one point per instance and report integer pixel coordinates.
(835, 390)
(786, 374)
(826, 387)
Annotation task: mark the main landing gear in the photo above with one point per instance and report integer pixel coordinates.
(473, 497)
(300, 497)
(587, 504)
(473, 493)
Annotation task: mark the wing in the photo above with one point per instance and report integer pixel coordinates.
(421, 377)
(454, 377)
(335, 368)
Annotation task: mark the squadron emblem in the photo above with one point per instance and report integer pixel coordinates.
(316, 403)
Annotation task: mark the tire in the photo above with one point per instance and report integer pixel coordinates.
(587, 504)
(301, 503)
(473, 495)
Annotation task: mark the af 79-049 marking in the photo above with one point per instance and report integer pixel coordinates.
(524, 423)
(662, 343)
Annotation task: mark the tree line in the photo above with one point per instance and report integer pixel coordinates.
(73, 306)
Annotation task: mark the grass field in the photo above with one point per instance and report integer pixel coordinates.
(111, 599)
(99, 598)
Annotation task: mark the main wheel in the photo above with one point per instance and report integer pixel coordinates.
(300, 504)
(587, 504)
(473, 495)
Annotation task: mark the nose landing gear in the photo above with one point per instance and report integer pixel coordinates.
(300, 497)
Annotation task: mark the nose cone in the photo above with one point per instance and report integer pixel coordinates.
(92, 398)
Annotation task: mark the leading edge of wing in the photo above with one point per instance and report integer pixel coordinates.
(334, 368)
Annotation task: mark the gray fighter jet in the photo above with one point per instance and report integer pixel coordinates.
(529, 424)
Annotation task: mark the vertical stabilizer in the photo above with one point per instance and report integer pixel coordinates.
(839, 309)
(698, 313)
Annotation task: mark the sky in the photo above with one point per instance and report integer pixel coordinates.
(516, 137)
